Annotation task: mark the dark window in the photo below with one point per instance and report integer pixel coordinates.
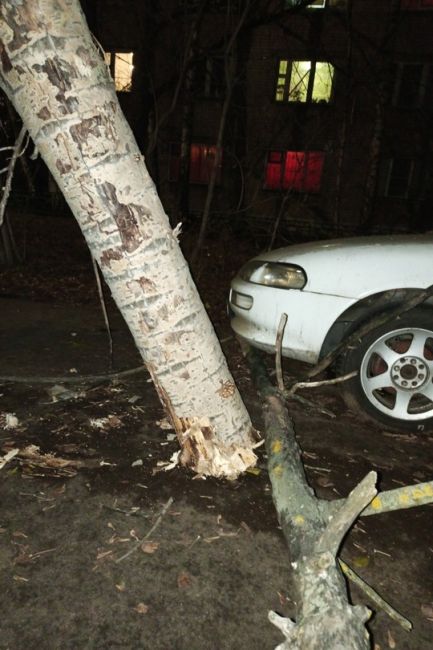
(209, 77)
(417, 4)
(410, 84)
(202, 160)
(397, 174)
(300, 171)
(212, 6)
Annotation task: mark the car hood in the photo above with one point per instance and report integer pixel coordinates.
(360, 266)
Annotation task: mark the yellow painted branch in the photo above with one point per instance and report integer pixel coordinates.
(400, 499)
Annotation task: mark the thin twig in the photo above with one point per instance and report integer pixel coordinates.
(278, 350)
(312, 405)
(417, 298)
(152, 530)
(76, 379)
(8, 457)
(374, 596)
(104, 312)
(17, 152)
(315, 384)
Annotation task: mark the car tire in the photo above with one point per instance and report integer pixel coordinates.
(394, 385)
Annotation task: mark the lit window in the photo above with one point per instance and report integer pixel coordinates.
(410, 84)
(417, 4)
(121, 67)
(304, 81)
(300, 171)
(315, 4)
(397, 174)
(201, 163)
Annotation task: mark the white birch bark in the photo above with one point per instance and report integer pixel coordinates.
(60, 86)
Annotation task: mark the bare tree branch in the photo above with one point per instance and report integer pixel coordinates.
(17, 152)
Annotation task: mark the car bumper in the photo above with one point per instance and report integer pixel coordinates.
(256, 311)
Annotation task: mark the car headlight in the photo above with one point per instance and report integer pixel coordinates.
(274, 274)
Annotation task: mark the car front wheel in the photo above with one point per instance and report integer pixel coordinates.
(394, 384)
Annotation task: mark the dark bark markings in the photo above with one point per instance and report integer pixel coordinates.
(92, 131)
(59, 72)
(21, 19)
(124, 215)
(4, 59)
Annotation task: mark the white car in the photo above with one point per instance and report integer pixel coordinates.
(329, 289)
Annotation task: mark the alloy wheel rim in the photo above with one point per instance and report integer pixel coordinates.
(396, 374)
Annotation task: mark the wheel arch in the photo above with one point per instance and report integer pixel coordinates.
(363, 310)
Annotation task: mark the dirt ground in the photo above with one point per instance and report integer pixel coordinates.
(217, 562)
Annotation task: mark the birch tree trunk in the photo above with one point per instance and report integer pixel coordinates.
(59, 84)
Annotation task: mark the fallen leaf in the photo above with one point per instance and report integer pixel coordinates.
(427, 610)
(141, 608)
(114, 421)
(361, 561)
(121, 586)
(20, 579)
(164, 424)
(391, 642)
(149, 547)
(184, 580)
(103, 554)
(11, 420)
(324, 481)
(246, 528)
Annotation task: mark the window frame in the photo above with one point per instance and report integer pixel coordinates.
(398, 79)
(389, 164)
(326, 4)
(196, 177)
(110, 57)
(416, 5)
(286, 78)
(210, 80)
(299, 181)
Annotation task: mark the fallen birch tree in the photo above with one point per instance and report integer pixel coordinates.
(59, 84)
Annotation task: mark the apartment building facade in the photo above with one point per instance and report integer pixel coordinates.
(316, 116)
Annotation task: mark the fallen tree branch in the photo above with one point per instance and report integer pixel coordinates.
(68, 379)
(342, 519)
(375, 597)
(316, 384)
(278, 352)
(400, 499)
(17, 152)
(148, 534)
(417, 298)
(312, 405)
(104, 311)
(324, 617)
